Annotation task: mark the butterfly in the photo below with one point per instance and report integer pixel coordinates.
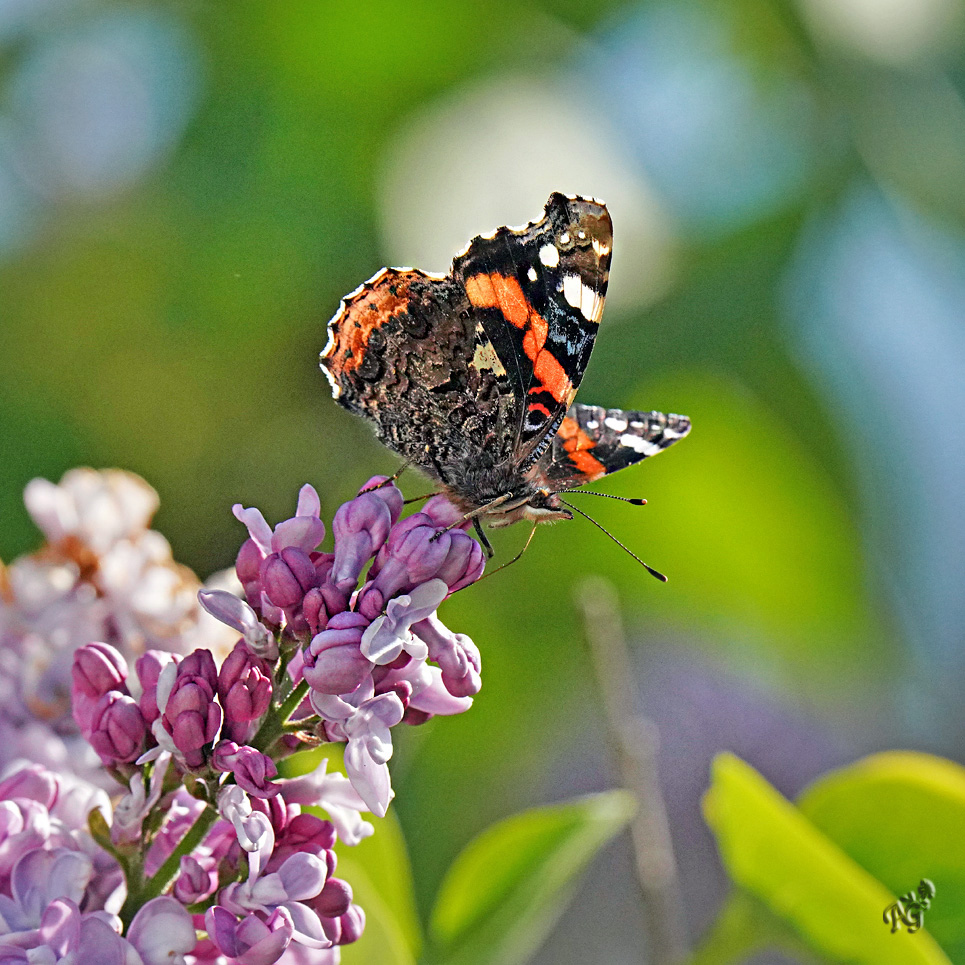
(472, 376)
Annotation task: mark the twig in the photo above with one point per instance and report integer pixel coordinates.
(635, 743)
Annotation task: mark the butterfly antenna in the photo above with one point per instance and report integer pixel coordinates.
(390, 480)
(648, 568)
(515, 559)
(590, 492)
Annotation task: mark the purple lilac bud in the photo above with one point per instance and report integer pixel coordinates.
(117, 729)
(360, 528)
(304, 833)
(244, 688)
(455, 653)
(191, 714)
(238, 615)
(251, 940)
(388, 492)
(443, 513)
(464, 563)
(334, 900)
(346, 929)
(278, 811)
(287, 576)
(321, 604)
(197, 880)
(248, 568)
(333, 662)
(148, 668)
(413, 554)
(98, 668)
(252, 770)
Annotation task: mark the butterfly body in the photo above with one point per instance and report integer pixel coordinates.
(472, 376)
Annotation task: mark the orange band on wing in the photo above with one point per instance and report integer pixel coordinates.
(577, 444)
(587, 464)
(498, 291)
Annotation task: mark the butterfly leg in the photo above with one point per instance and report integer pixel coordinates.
(487, 546)
(475, 514)
(516, 558)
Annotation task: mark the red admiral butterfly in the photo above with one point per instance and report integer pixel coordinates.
(471, 376)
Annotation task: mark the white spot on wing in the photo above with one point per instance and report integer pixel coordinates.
(549, 255)
(531, 274)
(583, 298)
(592, 424)
(573, 291)
(617, 425)
(638, 444)
(600, 248)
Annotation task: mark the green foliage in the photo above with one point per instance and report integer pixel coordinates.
(803, 877)
(901, 816)
(508, 887)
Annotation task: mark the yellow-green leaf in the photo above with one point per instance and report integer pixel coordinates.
(771, 849)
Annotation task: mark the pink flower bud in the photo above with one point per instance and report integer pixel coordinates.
(304, 833)
(98, 668)
(415, 551)
(389, 493)
(321, 603)
(197, 880)
(464, 563)
(244, 687)
(286, 576)
(346, 929)
(148, 668)
(117, 728)
(334, 900)
(360, 528)
(192, 716)
(248, 568)
(333, 662)
(252, 770)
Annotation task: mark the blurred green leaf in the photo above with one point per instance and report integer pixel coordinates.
(757, 542)
(384, 939)
(507, 888)
(901, 816)
(775, 853)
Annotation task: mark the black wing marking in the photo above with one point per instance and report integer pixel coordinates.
(593, 442)
(539, 292)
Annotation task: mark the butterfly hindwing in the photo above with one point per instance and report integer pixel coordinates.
(411, 338)
(593, 442)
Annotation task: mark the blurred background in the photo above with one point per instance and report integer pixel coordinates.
(188, 188)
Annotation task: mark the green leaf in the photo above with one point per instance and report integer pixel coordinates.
(505, 891)
(384, 939)
(775, 853)
(901, 816)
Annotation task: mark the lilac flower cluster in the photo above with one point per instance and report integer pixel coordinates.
(373, 653)
(207, 855)
(103, 575)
